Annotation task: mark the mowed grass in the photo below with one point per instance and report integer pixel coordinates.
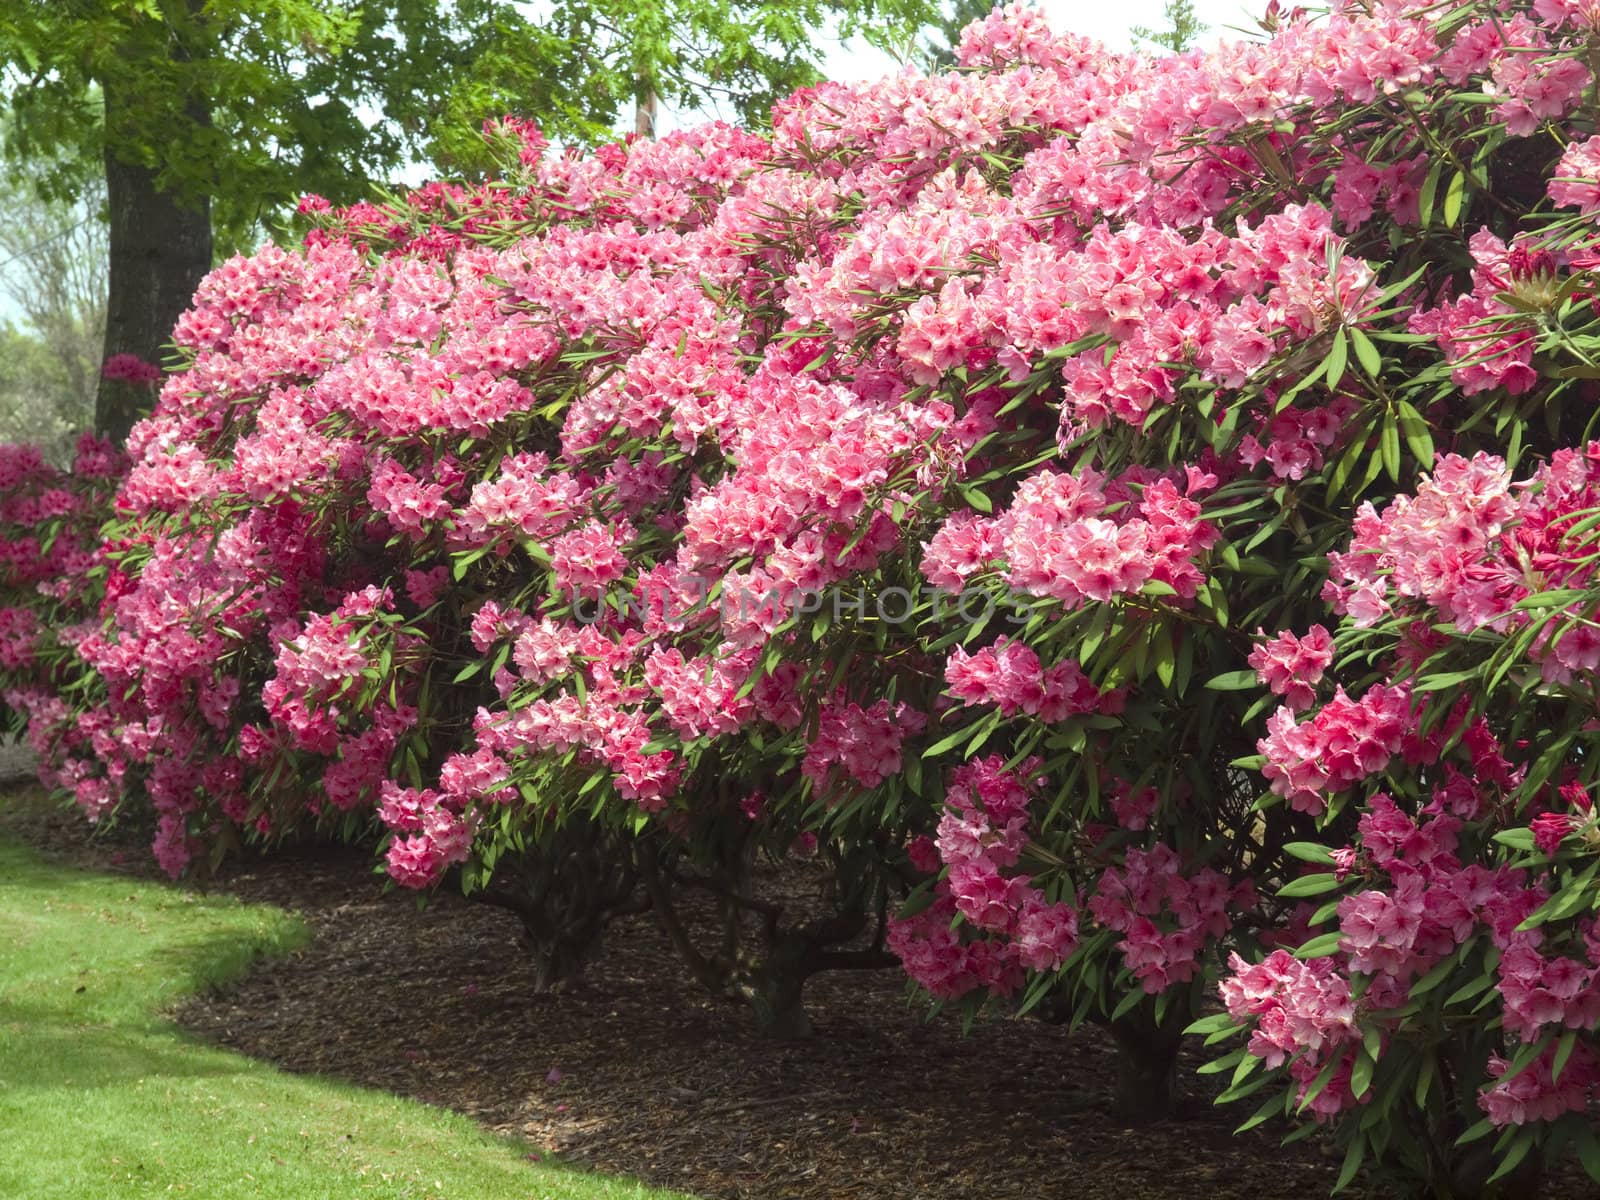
(101, 1097)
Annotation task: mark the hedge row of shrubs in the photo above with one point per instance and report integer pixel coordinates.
(1129, 523)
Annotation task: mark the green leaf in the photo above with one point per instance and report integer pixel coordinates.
(1516, 839)
(1572, 898)
(1430, 189)
(1269, 1109)
(1524, 1057)
(1553, 598)
(1212, 1024)
(945, 743)
(1312, 852)
(1361, 1074)
(464, 562)
(1320, 946)
(1453, 197)
(1389, 447)
(1243, 1071)
(1419, 1094)
(1165, 664)
(1226, 1063)
(1338, 355)
(1564, 1048)
(1366, 353)
(920, 899)
(1233, 681)
(1448, 679)
(1515, 1153)
(1436, 975)
(1309, 885)
(1132, 1001)
(820, 360)
(1468, 990)
(1353, 1159)
(1415, 431)
(1589, 1154)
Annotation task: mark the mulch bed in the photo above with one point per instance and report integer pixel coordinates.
(640, 1073)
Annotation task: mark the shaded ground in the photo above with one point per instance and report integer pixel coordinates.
(640, 1073)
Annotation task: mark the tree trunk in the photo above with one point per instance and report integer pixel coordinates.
(776, 990)
(564, 890)
(160, 250)
(645, 105)
(1147, 1064)
(557, 966)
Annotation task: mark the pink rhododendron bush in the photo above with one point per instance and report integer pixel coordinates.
(50, 522)
(1130, 522)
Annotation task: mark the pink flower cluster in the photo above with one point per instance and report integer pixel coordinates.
(1576, 183)
(1535, 1094)
(1423, 904)
(981, 836)
(514, 502)
(1166, 918)
(1489, 343)
(1548, 990)
(865, 742)
(1292, 666)
(130, 368)
(1295, 1006)
(1008, 675)
(700, 696)
(1345, 742)
(440, 836)
(1300, 1012)
(1056, 539)
(1472, 544)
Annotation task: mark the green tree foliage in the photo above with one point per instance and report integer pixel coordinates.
(254, 102)
(209, 116)
(1181, 32)
(740, 54)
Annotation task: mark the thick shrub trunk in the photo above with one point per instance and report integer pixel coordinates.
(776, 988)
(761, 961)
(1472, 1166)
(160, 250)
(1147, 1064)
(564, 891)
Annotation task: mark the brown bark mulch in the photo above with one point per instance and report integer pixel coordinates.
(640, 1073)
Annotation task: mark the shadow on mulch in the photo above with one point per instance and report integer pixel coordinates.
(640, 1073)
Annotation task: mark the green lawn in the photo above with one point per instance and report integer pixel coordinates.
(101, 1097)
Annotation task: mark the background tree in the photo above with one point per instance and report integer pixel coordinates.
(37, 402)
(208, 118)
(53, 293)
(1183, 28)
